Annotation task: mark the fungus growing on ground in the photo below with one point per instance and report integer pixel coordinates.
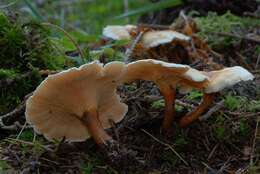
(119, 32)
(169, 76)
(78, 103)
(167, 45)
(217, 81)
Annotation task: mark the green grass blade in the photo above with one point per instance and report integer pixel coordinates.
(152, 7)
(34, 10)
(8, 5)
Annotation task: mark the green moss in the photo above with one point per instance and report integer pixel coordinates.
(195, 95)
(12, 95)
(234, 102)
(225, 23)
(4, 166)
(219, 128)
(6, 73)
(26, 45)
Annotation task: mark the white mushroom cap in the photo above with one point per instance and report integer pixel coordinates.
(118, 32)
(155, 38)
(59, 103)
(226, 77)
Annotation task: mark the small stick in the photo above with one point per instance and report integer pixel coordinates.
(154, 26)
(215, 108)
(250, 14)
(254, 142)
(113, 125)
(11, 140)
(207, 166)
(167, 145)
(18, 136)
(212, 151)
(257, 62)
(129, 52)
(152, 98)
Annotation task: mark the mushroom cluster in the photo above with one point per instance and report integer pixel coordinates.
(80, 102)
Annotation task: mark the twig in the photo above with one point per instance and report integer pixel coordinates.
(253, 15)
(11, 140)
(254, 142)
(224, 166)
(167, 145)
(215, 108)
(207, 166)
(212, 151)
(154, 98)
(154, 26)
(235, 36)
(129, 52)
(18, 136)
(13, 114)
(257, 62)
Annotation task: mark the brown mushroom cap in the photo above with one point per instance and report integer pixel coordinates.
(59, 103)
(155, 70)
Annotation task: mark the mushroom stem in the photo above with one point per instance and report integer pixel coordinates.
(95, 128)
(169, 97)
(192, 116)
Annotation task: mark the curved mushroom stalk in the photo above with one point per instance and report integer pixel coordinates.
(95, 129)
(194, 115)
(168, 94)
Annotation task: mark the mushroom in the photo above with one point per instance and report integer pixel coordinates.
(167, 76)
(118, 32)
(217, 80)
(78, 103)
(152, 39)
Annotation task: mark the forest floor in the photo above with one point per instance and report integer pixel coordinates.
(225, 140)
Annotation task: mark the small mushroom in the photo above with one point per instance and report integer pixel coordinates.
(118, 32)
(217, 80)
(78, 103)
(152, 39)
(167, 76)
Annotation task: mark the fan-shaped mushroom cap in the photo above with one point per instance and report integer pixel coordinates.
(59, 103)
(118, 32)
(154, 70)
(226, 77)
(155, 38)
